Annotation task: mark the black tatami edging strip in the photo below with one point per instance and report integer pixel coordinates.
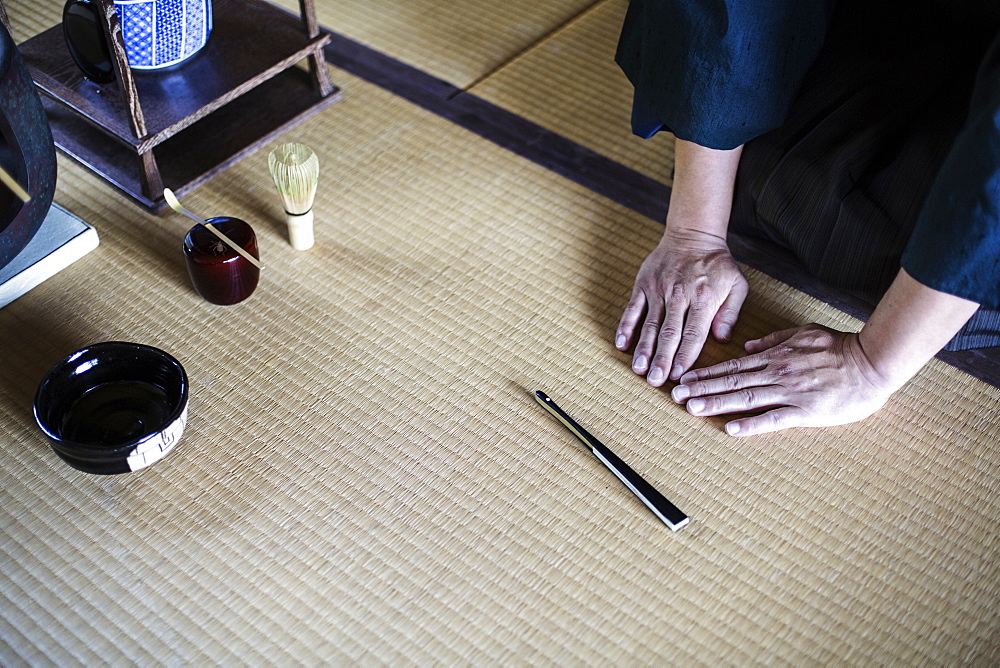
(597, 173)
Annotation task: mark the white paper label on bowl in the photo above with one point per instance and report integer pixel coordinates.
(157, 447)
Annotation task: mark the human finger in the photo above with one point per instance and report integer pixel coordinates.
(729, 312)
(785, 417)
(727, 368)
(693, 336)
(719, 385)
(770, 341)
(742, 400)
(668, 338)
(630, 318)
(648, 334)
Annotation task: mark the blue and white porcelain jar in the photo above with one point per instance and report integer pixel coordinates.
(162, 33)
(156, 33)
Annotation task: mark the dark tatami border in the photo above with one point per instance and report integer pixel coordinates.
(597, 173)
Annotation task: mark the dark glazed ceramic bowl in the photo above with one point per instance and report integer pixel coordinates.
(113, 407)
(220, 274)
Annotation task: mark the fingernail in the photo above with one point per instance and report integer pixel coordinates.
(656, 375)
(640, 363)
(724, 332)
(680, 393)
(677, 372)
(620, 341)
(732, 428)
(696, 406)
(687, 378)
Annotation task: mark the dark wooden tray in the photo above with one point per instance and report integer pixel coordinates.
(183, 126)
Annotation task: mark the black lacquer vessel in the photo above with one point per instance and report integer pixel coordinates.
(113, 407)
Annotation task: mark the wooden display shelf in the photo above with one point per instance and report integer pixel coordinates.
(179, 127)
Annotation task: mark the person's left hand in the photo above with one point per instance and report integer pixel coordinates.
(809, 376)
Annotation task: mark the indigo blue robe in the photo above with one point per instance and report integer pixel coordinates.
(871, 131)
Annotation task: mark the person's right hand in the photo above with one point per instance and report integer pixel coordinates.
(689, 285)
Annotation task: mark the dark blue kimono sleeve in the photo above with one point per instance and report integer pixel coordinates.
(718, 72)
(955, 246)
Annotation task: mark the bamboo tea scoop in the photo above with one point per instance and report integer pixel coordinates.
(175, 204)
(14, 186)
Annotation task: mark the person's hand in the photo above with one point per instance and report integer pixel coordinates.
(689, 285)
(808, 376)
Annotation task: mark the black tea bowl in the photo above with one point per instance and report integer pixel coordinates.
(113, 407)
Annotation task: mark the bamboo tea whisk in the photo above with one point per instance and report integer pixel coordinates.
(295, 170)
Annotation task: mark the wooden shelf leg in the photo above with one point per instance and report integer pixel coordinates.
(317, 68)
(123, 74)
(317, 62)
(152, 182)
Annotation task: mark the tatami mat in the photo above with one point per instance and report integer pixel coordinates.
(29, 20)
(569, 83)
(365, 477)
(460, 42)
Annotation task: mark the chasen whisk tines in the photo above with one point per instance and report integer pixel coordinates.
(295, 170)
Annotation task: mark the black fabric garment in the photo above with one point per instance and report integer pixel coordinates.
(843, 181)
(847, 117)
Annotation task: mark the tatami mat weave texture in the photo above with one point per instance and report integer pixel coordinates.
(459, 42)
(569, 83)
(366, 478)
